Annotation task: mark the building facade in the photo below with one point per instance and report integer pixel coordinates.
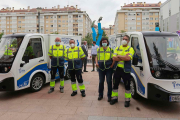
(137, 17)
(109, 31)
(169, 16)
(67, 20)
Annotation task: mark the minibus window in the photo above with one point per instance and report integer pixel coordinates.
(34, 48)
(136, 47)
(163, 48)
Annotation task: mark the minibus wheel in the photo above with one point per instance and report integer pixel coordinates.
(67, 76)
(133, 89)
(37, 82)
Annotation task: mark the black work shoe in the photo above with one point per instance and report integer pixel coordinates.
(113, 101)
(83, 94)
(61, 90)
(51, 90)
(100, 98)
(92, 71)
(109, 99)
(85, 71)
(74, 93)
(126, 103)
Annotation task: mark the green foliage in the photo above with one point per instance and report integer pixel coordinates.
(122, 31)
(88, 38)
(103, 35)
(55, 32)
(1, 35)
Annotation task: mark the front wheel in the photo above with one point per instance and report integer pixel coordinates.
(37, 82)
(133, 89)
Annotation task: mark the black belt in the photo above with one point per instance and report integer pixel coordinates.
(94, 55)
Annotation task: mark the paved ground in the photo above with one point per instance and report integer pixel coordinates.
(24, 105)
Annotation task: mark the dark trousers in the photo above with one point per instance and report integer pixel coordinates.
(54, 71)
(76, 74)
(93, 61)
(84, 63)
(118, 74)
(108, 73)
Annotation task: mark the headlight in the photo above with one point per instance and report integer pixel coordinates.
(157, 74)
(176, 76)
(5, 69)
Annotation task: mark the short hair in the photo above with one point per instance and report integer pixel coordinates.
(103, 40)
(58, 38)
(71, 39)
(94, 42)
(127, 36)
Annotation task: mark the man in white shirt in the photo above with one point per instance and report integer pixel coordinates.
(94, 54)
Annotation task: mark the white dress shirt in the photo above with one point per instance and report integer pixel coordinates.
(94, 50)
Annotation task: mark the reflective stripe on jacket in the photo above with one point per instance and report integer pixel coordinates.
(123, 51)
(58, 54)
(74, 58)
(104, 58)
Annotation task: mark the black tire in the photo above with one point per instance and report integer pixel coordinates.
(133, 89)
(37, 82)
(67, 75)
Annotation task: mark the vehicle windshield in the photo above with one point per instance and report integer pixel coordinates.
(163, 51)
(9, 47)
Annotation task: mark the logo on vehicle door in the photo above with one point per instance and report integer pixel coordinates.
(176, 85)
(21, 71)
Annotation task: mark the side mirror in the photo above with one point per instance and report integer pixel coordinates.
(135, 61)
(26, 59)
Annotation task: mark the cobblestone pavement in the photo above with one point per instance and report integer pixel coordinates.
(24, 105)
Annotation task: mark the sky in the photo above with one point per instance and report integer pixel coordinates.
(94, 8)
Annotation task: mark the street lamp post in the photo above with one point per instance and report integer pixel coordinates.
(39, 11)
(110, 26)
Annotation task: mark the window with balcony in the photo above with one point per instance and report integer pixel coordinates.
(150, 14)
(156, 14)
(151, 23)
(138, 14)
(138, 23)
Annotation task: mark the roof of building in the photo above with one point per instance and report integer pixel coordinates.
(143, 5)
(71, 8)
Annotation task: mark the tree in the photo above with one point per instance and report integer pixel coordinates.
(123, 31)
(55, 32)
(88, 38)
(1, 35)
(104, 35)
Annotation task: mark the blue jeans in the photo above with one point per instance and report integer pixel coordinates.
(108, 73)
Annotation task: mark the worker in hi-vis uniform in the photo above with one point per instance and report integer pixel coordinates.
(57, 54)
(123, 55)
(74, 55)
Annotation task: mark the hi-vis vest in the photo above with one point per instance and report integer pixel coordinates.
(58, 54)
(74, 58)
(104, 58)
(126, 65)
(8, 51)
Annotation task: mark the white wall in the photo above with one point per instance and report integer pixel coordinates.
(174, 4)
